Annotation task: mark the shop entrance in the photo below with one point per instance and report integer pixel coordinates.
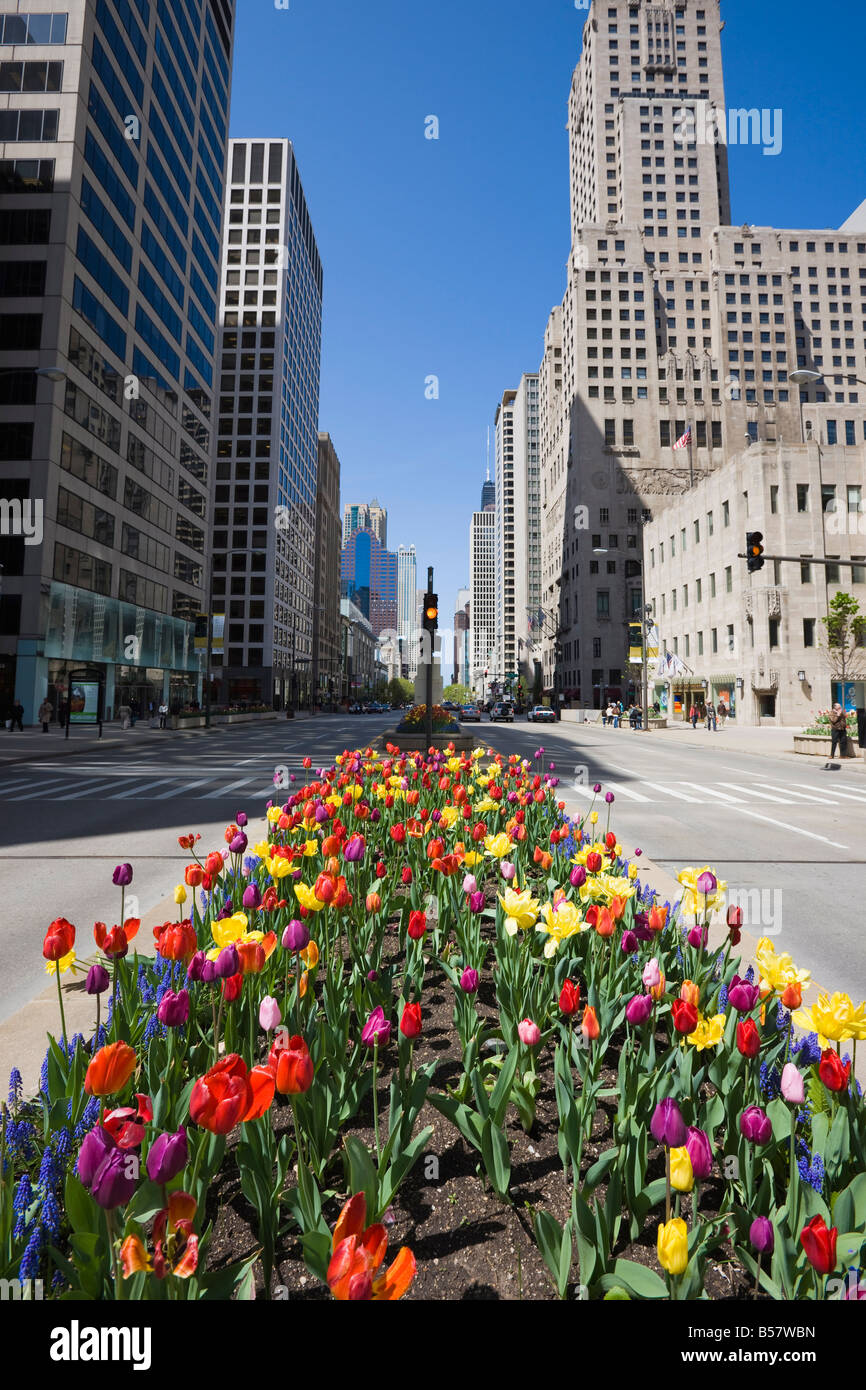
(140, 688)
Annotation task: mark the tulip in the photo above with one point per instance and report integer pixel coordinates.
(167, 1156)
(228, 1094)
(353, 850)
(762, 1236)
(252, 896)
(673, 1246)
(469, 981)
(577, 877)
(214, 864)
(742, 996)
(706, 882)
(97, 981)
(593, 862)
(176, 940)
(406, 876)
(469, 884)
(115, 1179)
(122, 876)
(682, 1173)
(628, 943)
(685, 1016)
(227, 962)
(667, 1125)
(208, 971)
(410, 1022)
(755, 1126)
(529, 1033)
(748, 1038)
(698, 937)
(110, 1069)
(834, 1074)
(569, 999)
(241, 818)
(507, 869)
(792, 995)
(819, 1244)
(95, 1148)
(232, 987)
(691, 993)
(417, 925)
(476, 902)
(238, 843)
(173, 1010)
(377, 1029)
(589, 1024)
(270, 1016)
(651, 974)
(296, 936)
(700, 1153)
(792, 1087)
(638, 1009)
(294, 1068)
(59, 939)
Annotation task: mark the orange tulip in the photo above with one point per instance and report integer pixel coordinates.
(605, 925)
(373, 902)
(658, 917)
(690, 993)
(252, 957)
(294, 1068)
(176, 940)
(617, 908)
(358, 1254)
(110, 1069)
(589, 1025)
(792, 995)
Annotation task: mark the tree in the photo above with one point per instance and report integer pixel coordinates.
(460, 694)
(538, 684)
(399, 691)
(844, 643)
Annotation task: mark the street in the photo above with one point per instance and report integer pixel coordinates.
(786, 836)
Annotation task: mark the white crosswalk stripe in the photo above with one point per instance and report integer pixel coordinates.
(221, 791)
(820, 797)
(714, 791)
(753, 791)
(136, 791)
(671, 791)
(847, 795)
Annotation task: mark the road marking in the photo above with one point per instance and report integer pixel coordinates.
(136, 791)
(762, 796)
(665, 787)
(619, 790)
(714, 791)
(86, 789)
(848, 794)
(39, 791)
(222, 791)
(821, 798)
(178, 792)
(796, 830)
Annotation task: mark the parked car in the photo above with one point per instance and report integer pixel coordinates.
(467, 712)
(541, 714)
(502, 713)
(355, 708)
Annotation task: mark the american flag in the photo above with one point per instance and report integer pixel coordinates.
(685, 439)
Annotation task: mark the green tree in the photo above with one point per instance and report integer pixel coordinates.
(460, 694)
(844, 643)
(399, 691)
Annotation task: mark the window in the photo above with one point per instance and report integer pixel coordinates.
(774, 632)
(610, 432)
(712, 585)
(714, 640)
(802, 497)
(805, 572)
(33, 28)
(602, 603)
(709, 523)
(698, 590)
(808, 632)
(774, 498)
(730, 635)
(726, 514)
(697, 532)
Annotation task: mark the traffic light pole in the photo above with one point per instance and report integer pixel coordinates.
(801, 560)
(428, 718)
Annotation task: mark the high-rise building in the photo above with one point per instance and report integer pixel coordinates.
(518, 529)
(488, 493)
(407, 575)
(461, 638)
(268, 432)
(359, 516)
(112, 158)
(483, 650)
(676, 329)
(368, 576)
(326, 585)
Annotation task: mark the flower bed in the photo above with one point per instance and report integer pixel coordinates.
(419, 1001)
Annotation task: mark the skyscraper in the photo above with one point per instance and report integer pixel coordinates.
(675, 327)
(518, 527)
(359, 516)
(483, 650)
(407, 574)
(268, 449)
(113, 139)
(368, 576)
(488, 493)
(326, 608)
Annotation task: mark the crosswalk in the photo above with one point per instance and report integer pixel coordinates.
(793, 795)
(155, 783)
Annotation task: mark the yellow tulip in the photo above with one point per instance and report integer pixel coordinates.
(311, 847)
(682, 1173)
(673, 1245)
(833, 1019)
(310, 955)
(593, 819)
(632, 871)
(561, 920)
(471, 858)
(262, 849)
(777, 972)
(521, 909)
(307, 898)
(60, 966)
(709, 1032)
(180, 894)
(274, 813)
(229, 929)
(279, 867)
(498, 845)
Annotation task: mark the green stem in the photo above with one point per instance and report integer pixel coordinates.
(60, 1001)
(667, 1184)
(376, 1101)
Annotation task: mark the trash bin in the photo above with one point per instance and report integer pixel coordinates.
(861, 727)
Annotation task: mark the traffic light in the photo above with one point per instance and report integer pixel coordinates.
(431, 612)
(754, 551)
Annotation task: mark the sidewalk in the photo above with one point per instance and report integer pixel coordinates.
(770, 740)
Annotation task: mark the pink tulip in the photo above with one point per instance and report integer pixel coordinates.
(269, 1014)
(652, 976)
(507, 869)
(469, 884)
(529, 1033)
(793, 1089)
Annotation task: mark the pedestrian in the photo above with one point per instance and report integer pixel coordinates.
(46, 710)
(635, 717)
(723, 713)
(838, 734)
(613, 714)
(693, 716)
(163, 714)
(711, 717)
(17, 715)
(604, 716)
(62, 714)
(133, 710)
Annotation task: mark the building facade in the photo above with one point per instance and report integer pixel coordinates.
(518, 531)
(407, 577)
(113, 133)
(326, 584)
(675, 326)
(482, 600)
(358, 662)
(264, 538)
(368, 576)
(461, 655)
(369, 516)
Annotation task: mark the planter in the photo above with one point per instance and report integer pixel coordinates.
(818, 746)
(412, 740)
(658, 723)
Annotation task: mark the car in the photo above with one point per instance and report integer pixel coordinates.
(467, 712)
(503, 713)
(541, 714)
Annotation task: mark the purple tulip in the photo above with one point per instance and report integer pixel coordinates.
(377, 1029)
(762, 1235)
(577, 877)
(173, 1010)
(628, 943)
(194, 969)
(700, 1152)
(638, 1009)
(238, 843)
(597, 788)
(372, 976)
(208, 971)
(609, 798)
(115, 1179)
(353, 850)
(252, 896)
(638, 852)
(512, 797)
(375, 814)
(742, 996)
(668, 1126)
(227, 962)
(436, 816)
(469, 981)
(698, 937)
(241, 819)
(296, 936)
(167, 1156)
(321, 814)
(122, 876)
(476, 902)
(95, 1147)
(706, 882)
(97, 981)
(755, 1126)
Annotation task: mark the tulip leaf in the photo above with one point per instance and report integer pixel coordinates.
(838, 1147)
(643, 1283)
(361, 1175)
(779, 1115)
(600, 1168)
(80, 1207)
(146, 1201)
(502, 1090)
(497, 1158)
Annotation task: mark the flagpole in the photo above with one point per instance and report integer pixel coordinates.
(691, 466)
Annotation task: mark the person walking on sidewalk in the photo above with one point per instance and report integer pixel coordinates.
(838, 733)
(46, 709)
(693, 716)
(163, 714)
(18, 715)
(711, 717)
(723, 713)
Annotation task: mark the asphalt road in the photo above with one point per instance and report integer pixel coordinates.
(788, 838)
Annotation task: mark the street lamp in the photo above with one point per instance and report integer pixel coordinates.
(803, 376)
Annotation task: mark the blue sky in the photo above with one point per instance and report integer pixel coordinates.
(444, 257)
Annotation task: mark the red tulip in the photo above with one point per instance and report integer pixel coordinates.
(569, 999)
(232, 986)
(59, 939)
(834, 1075)
(294, 1068)
(176, 940)
(417, 925)
(685, 1016)
(214, 864)
(406, 876)
(819, 1244)
(410, 1023)
(227, 1094)
(748, 1038)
